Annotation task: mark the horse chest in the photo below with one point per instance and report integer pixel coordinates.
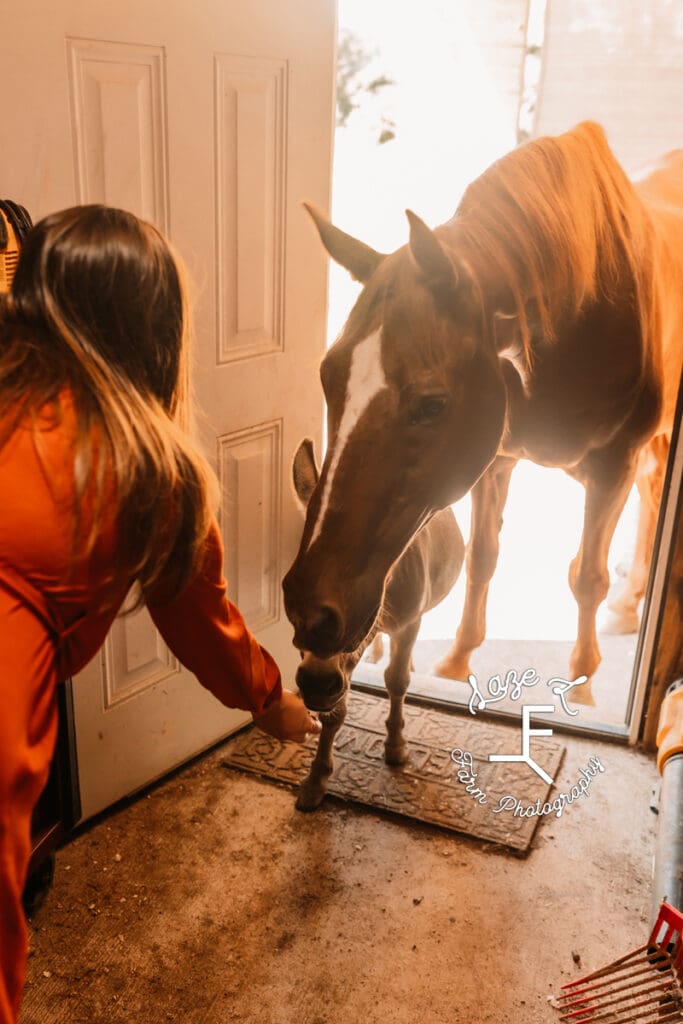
(576, 400)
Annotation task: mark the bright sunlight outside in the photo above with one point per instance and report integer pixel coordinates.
(431, 101)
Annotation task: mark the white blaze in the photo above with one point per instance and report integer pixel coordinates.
(366, 379)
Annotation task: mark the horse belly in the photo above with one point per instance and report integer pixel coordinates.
(559, 435)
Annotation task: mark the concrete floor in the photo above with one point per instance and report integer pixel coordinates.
(209, 899)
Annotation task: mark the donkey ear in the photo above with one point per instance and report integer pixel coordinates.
(359, 259)
(429, 254)
(304, 471)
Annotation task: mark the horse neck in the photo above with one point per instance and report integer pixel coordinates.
(543, 270)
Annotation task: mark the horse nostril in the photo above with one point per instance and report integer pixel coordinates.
(324, 625)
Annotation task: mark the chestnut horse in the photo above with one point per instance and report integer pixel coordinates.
(543, 321)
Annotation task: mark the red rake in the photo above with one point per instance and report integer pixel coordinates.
(645, 985)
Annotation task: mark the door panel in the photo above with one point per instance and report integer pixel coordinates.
(213, 122)
(250, 471)
(117, 90)
(251, 108)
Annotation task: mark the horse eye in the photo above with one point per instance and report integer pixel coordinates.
(427, 408)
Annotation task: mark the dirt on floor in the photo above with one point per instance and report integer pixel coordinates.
(210, 899)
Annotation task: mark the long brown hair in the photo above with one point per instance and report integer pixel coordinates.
(97, 310)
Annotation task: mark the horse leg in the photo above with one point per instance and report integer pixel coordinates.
(314, 786)
(650, 472)
(488, 501)
(607, 487)
(397, 681)
(376, 652)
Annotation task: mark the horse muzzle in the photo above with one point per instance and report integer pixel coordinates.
(328, 620)
(321, 689)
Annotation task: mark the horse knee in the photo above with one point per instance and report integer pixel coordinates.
(588, 585)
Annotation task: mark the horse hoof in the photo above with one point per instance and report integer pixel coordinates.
(453, 668)
(395, 756)
(309, 798)
(582, 694)
(620, 623)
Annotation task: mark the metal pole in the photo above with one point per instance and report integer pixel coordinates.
(668, 866)
(668, 875)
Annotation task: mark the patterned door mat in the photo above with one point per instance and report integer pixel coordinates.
(427, 786)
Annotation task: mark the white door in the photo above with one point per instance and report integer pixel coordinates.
(213, 120)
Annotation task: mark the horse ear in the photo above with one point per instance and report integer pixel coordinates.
(304, 471)
(429, 254)
(359, 259)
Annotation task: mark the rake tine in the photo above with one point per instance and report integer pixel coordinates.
(615, 965)
(618, 978)
(586, 996)
(648, 998)
(627, 1016)
(643, 986)
(625, 980)
(645, 1017)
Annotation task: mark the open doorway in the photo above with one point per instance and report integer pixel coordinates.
(415, 126)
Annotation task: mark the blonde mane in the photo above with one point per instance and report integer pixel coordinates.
(555, 222)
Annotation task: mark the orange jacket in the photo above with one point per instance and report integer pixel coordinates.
(202, 627)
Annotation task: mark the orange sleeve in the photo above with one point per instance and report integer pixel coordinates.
(207, 633)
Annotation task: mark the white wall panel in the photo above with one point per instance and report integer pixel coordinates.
(498, 29)
(620, 65)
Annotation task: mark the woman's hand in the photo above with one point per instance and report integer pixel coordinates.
(288, 719)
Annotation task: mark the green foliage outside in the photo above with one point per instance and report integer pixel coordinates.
(355, 86)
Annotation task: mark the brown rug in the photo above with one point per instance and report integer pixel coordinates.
(427, 787)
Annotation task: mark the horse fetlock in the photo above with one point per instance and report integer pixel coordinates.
(395, 751)
(312, 790)
(394, 724)
(456, 665)
(583, 694)
(584, 662)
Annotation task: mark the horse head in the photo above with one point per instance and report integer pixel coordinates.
(322, 681)
(416, 409)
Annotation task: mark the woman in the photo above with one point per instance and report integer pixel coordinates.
(100, 487)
